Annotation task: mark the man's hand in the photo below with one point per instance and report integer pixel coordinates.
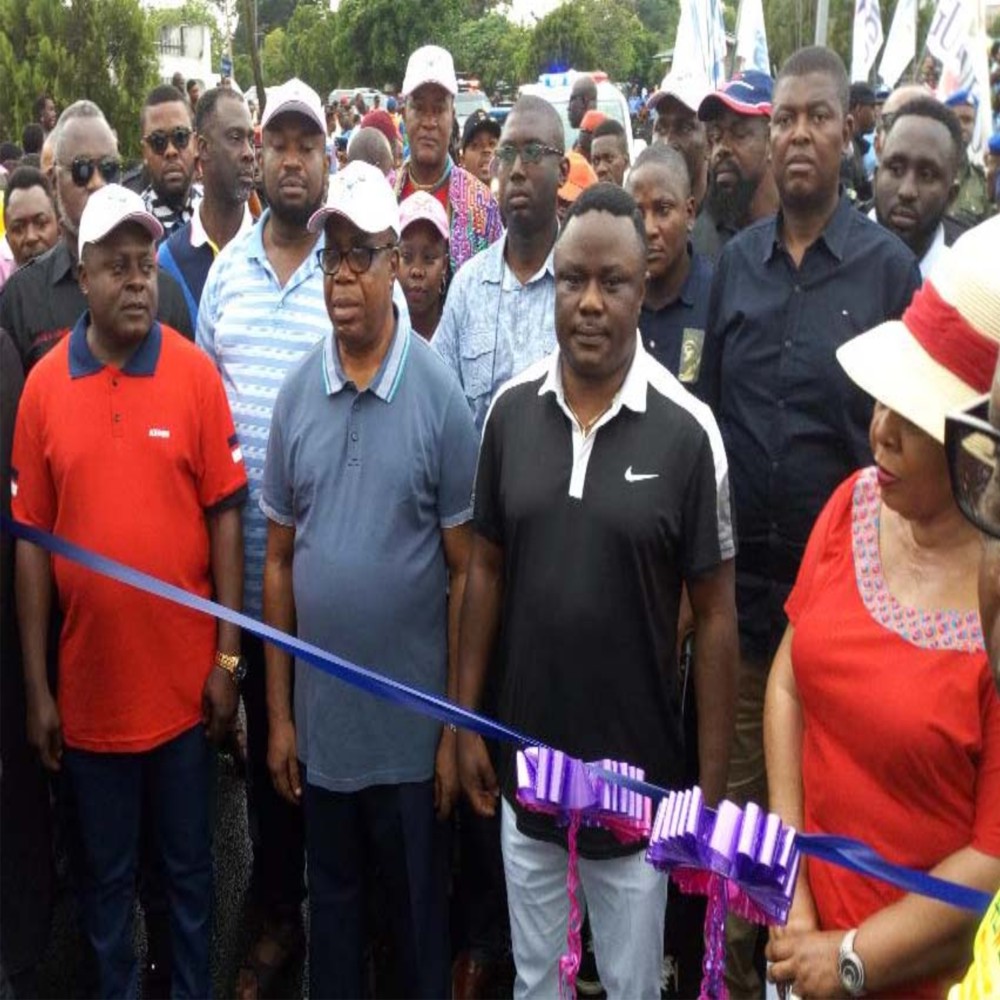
(808, 962)
(45, 730)
(219, 699)
(479, 780)
(283, 761)
(802, 916)
(446, 773)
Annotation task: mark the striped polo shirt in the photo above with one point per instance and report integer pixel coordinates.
(255, 331)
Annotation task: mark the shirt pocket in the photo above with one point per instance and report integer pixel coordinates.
(478, 364)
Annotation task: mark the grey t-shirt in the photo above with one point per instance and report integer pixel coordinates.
(369, 480)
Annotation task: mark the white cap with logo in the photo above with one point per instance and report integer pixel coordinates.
(687, 88)
(430, 64)
(294, 95)
(110, 207)
(361, 194)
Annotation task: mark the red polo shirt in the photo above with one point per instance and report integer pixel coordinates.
(128, 463)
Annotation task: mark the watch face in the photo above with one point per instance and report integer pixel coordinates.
(852, 974)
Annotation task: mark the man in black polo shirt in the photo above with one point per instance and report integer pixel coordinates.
(602, 488)
(41, 302)
(788, 291)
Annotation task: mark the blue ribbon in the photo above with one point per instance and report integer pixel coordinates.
(842, 851)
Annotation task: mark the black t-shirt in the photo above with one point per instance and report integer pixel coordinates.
(42, 300)
(599, 534)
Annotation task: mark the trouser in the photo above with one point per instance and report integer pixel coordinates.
(747, 783)
(394, 827)
(276, 828)
(625, 899)
(108, 790)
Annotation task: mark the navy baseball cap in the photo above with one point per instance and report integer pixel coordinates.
(748, 93)
(961, 97)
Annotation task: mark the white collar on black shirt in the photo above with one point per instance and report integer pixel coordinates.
(631, 394)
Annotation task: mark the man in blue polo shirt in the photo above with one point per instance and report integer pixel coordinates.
(368, 494)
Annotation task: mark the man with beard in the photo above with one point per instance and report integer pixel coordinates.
(429, 87)
(741, 186)
(499, 316)
(224, 136)
(788, 291)
(41, 302)
(917, 179)
(170, 157)
(263, 301)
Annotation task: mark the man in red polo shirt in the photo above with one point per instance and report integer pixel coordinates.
(124, 444)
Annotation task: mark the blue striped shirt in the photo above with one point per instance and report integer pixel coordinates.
(255, 331)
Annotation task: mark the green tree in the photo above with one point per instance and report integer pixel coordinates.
(99, 49)
(375, 37)
(563, 39)
(494, 49)
(309, 44)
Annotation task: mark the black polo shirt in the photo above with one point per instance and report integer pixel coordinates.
(42, 301)
(675, 334)
(710, 236)
(794, 424)
(598, 534)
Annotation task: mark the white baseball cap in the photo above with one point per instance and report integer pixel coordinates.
(689, 89)
(110, 207)
(361, 194)
(294, 95)
(430, 64)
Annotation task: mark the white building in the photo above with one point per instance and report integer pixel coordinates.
(187, 48)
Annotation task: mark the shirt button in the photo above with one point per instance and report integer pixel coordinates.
(354, 435)
(781, 404)
(788, 343)
(798, 288)
(114, 382)
(652, 345)
(117, 418)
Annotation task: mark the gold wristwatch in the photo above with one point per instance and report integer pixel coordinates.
(233, 664)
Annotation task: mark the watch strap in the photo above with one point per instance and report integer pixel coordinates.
(850, 967)
(228, 662)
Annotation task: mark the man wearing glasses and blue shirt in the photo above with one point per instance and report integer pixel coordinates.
(500, 314)
(368, 497)
(41, 302)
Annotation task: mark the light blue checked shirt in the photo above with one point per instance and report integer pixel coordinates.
(493, 327)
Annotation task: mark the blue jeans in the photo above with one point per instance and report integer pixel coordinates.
(108, 788)
(395, 827)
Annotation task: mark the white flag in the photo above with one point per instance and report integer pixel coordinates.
(901, 45)
(751, 37)
(700, 46)
(867, 38)
(958, 39)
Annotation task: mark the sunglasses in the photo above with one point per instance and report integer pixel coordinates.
(530, 152)
(83, 169)
(359, 259)
(158, 141)
(972, 444)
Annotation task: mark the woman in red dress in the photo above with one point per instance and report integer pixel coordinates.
(881, 720)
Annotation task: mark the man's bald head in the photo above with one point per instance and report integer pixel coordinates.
(547, 126)
(582, 97)
(371, 146)
(900, 96)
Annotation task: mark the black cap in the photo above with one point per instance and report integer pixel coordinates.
(862, 93)
(479, 121)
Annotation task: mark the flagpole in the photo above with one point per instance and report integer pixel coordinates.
(732, 61)
(822, 17)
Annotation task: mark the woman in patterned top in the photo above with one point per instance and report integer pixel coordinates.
(882, 722)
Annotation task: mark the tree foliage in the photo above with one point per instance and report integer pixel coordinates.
(494, 49)
(99, 49)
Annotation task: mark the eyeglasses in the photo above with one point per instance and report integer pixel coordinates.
(82, 169)
(530, 152)
(359, 259)
(973, 448)
(158, 141)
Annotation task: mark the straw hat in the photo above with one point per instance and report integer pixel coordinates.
(942, 354)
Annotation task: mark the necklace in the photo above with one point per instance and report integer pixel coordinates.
(587, 426)
(428, 187)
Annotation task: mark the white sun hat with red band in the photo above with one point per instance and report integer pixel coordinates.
(941, 355)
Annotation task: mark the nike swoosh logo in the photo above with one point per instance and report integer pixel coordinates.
(638, 477)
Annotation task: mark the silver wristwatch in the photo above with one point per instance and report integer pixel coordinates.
(850, 967)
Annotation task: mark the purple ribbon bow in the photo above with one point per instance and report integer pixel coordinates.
(753, 851)
(551, 782)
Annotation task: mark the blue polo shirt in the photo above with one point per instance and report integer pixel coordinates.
(675, 334)
(369, 480)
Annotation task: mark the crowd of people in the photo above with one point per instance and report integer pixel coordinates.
(688, 461)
